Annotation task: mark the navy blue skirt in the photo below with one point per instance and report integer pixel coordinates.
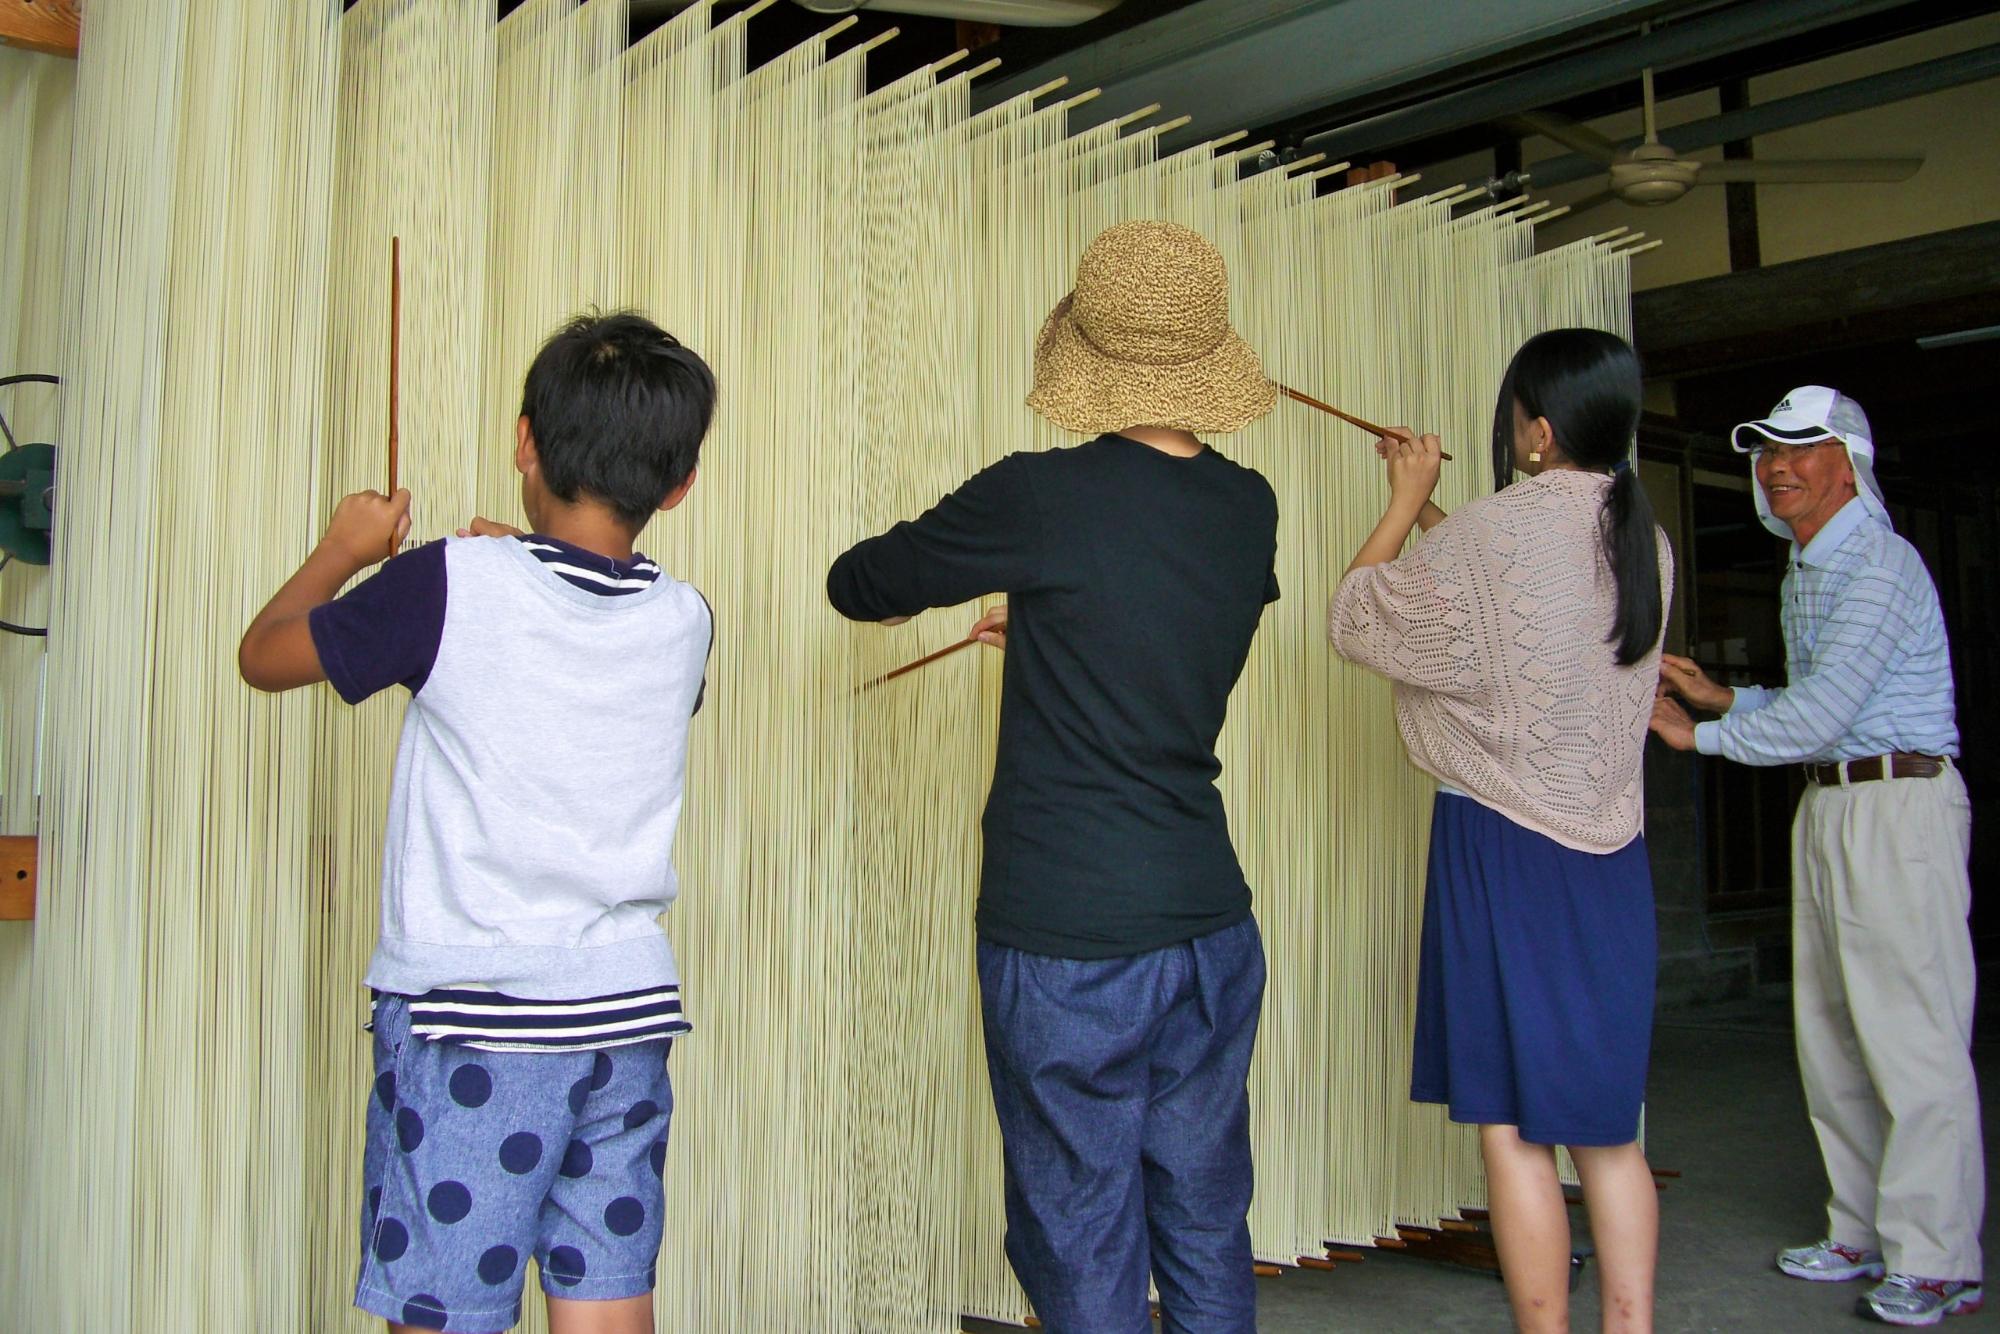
(1535, 990)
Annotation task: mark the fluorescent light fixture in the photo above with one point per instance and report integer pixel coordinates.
(1930, 342)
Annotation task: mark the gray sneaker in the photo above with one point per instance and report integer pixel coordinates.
(1905, 1299)
(1830, 1262)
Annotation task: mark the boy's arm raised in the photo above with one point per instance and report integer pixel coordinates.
(277, 652)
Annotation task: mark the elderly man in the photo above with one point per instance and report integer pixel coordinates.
(1881, 953)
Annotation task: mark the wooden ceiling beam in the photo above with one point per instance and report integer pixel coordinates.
(1930, 284)
(49, 26)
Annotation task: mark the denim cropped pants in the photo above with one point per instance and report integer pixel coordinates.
(1120, 1087)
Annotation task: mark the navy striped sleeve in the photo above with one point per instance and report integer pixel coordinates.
(384, 631)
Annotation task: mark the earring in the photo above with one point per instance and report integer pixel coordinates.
(1534, 456)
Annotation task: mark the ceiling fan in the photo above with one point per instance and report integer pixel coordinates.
(1651, 173)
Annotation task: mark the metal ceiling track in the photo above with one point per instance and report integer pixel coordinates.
(1239, 63)
(1669, 45)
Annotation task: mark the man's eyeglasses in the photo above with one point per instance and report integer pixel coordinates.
(1786, 452)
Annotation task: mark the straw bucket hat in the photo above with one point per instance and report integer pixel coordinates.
(1144, 340)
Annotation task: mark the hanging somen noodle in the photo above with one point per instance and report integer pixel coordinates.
(180, 1104)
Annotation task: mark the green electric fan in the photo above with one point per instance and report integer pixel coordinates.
(27, 497)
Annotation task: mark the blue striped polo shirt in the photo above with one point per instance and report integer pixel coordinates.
(1867, 664)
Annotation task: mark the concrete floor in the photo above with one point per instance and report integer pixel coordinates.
(1724, 1108)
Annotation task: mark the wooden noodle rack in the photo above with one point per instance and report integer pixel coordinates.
(20, 867)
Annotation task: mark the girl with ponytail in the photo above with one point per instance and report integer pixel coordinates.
(1521, 636)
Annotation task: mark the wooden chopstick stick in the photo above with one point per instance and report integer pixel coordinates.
(1347, 417)
(908, 667)
(395, 349)
(395, 358)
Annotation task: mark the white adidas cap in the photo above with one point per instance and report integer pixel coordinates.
(1814, 412)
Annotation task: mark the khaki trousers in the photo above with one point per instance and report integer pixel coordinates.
(1882, 996)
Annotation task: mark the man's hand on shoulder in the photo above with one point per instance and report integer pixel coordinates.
(489, 528)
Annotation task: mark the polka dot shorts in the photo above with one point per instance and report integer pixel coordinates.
(476, 1160)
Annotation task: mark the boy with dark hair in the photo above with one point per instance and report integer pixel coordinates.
(1120, 971)
(525, 996)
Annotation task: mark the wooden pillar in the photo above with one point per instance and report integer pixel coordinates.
(1745, 252)
(1374, 171)
(972, 35)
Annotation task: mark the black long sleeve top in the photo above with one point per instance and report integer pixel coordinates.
(1135, 580)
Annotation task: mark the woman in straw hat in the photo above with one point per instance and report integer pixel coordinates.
(1523, 638)
(1120, 972)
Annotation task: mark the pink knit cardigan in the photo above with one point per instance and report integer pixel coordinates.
(1493, 630)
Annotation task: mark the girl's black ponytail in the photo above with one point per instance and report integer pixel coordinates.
(1586, 382)
(1631, 548)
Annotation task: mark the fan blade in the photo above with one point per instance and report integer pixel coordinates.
(1576, 138)
(1827, 171)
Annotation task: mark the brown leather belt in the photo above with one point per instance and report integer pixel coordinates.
(1898, 765)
